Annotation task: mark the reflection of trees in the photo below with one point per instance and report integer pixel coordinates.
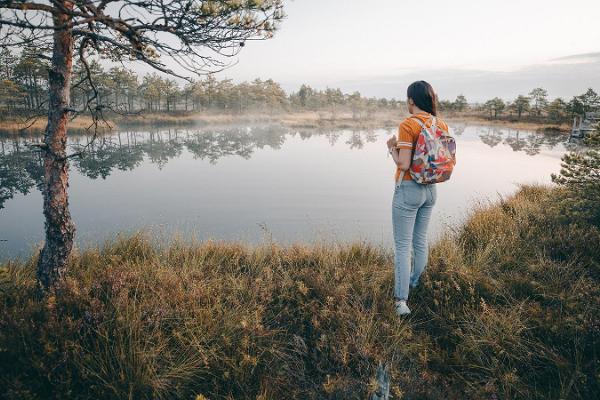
(358, 139)
(162, 146)
(331, 135)
(458, 129)
(516, 142)
(272, 136)
(20, 170)
(215, 145)
(534, 144)
(531, 143)
(491, 136)
(240, 141)
(103, 155)
(552, 139)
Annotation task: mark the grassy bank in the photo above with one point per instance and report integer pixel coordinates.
(509, 308)
(533, 124)
(15, 126)
(539, 126)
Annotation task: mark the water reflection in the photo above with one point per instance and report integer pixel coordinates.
(528, 142)
(228, 183)
(21, 169)
(358, 139)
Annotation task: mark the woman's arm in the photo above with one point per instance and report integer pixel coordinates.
(401, 157)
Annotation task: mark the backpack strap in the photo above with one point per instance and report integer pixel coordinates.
(418, 121)
(433, 122)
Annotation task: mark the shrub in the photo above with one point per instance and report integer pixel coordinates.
(580, 178)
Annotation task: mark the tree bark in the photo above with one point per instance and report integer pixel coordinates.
(52, 263)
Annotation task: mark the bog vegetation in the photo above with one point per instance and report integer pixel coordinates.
(508, 308)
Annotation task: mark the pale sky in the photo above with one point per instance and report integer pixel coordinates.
(474, 47)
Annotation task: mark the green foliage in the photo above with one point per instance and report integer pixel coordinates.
(460, 104)
(508, 308)
(590, 100)
(579, 105)
(446, 105)
(540, 99)
(538, 105)
(12, 85)
(575, 106)
(24, 87)
(10, 94)
(557, 109)
(580, 179)
(308, 98)
(495, 107)
(521, 105)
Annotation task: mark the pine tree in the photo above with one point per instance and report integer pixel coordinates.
(580, 178)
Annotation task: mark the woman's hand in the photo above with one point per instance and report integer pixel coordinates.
(391, 143)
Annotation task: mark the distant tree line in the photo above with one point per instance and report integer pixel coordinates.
(535, 105)
(23, 89)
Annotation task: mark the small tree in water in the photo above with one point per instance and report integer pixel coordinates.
(580, 177)
(194, 34)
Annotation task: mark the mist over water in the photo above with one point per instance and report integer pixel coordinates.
(256, 183)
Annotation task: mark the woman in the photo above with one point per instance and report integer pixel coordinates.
(413, 202)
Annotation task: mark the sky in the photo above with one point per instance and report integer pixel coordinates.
(480, 48)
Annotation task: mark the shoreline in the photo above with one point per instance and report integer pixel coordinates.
(561, 127)
(308, 119)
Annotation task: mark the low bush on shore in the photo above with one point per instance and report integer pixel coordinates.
(508, 308)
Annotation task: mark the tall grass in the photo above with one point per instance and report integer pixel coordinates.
(508, 308)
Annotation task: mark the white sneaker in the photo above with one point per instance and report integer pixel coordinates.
(402, 308)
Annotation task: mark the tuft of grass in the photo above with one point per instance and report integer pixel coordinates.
(508, 308)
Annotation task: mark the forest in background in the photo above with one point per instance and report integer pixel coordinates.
(118, 90)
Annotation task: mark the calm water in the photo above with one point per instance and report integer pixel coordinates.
(252, 183)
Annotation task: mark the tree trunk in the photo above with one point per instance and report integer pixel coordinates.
(52, 263)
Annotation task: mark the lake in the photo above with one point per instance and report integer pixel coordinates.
(256, 183)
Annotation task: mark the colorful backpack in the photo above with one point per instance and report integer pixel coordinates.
(434, 156)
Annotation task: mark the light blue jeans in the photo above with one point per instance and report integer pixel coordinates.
(411, 211)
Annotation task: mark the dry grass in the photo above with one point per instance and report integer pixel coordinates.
(509, 122)
(24, 126)
(508, 308)
(323, 119)
(308, 119)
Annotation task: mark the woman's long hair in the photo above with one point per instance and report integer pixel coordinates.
(424, 96)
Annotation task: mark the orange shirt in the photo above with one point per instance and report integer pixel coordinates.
(408, 133)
